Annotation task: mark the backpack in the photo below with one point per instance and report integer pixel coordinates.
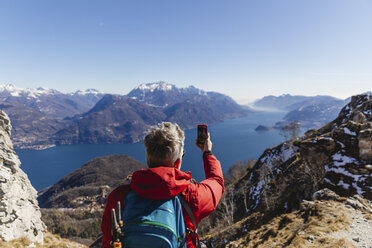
(152, 223)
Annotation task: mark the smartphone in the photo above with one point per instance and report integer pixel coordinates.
(202, 133)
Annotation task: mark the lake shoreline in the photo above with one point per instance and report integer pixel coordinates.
(233, 140)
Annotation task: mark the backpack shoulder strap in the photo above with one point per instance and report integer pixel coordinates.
(186, 206)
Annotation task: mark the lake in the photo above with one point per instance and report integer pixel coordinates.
(233, 140)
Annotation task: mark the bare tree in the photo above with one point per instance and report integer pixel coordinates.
(238, 169)
(291, 130)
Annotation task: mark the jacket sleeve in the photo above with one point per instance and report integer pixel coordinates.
(116, 195)
(211, 189)
(204, 196)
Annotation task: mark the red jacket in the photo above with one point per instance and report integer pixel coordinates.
(166, 182)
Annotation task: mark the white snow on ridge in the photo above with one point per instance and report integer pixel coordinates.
(29, 93)
(275, 157)
(343, 185)
(340, 170)
(347, 131)
(35, 93)
(156, 86)
(340, 160)
(11, 89)
(87, 92)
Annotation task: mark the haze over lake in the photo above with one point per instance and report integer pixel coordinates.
(233, 140)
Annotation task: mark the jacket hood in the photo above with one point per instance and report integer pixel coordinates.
(160, 183)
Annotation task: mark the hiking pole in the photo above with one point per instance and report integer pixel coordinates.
(96, 242)
(116, 231)
(118, 208)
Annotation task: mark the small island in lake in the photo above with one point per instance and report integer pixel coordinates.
(262, 128)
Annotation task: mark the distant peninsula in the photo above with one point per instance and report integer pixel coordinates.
(262, 128)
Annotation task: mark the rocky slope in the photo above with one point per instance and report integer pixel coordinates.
(326, 220)
(337, 156)
(19, 211)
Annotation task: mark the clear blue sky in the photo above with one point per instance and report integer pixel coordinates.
(246, 49)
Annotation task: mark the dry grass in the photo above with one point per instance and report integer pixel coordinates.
(309, 227)
(50, 241)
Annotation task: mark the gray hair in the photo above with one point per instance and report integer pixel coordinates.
(164, 144)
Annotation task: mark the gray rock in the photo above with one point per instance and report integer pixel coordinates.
(19, 211)
(325, 194)
(356, 239)
(365, 145)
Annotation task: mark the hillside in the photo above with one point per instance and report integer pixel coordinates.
(338, 156)
(327, 220)
(89, 185)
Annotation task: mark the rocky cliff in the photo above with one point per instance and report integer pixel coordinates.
(338, 156)
(19, 211)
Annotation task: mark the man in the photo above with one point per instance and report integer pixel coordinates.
(164, 179)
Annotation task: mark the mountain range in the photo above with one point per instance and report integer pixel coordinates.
(51, 102)
(43, 117)
(308, 111)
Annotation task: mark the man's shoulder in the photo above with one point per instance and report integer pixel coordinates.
(119, 192)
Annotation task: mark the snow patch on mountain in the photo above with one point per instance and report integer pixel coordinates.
(11, 90)
(162, 86)
(87, 92)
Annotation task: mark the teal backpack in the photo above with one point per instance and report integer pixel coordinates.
(152, 223)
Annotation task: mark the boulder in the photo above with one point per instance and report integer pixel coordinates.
(365, 145)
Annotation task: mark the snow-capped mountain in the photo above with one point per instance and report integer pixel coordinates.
(9, 90)
(159, 86)
(87, 92)
(86, 116)
(122, 119)
(161, 94)
(51, 102)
